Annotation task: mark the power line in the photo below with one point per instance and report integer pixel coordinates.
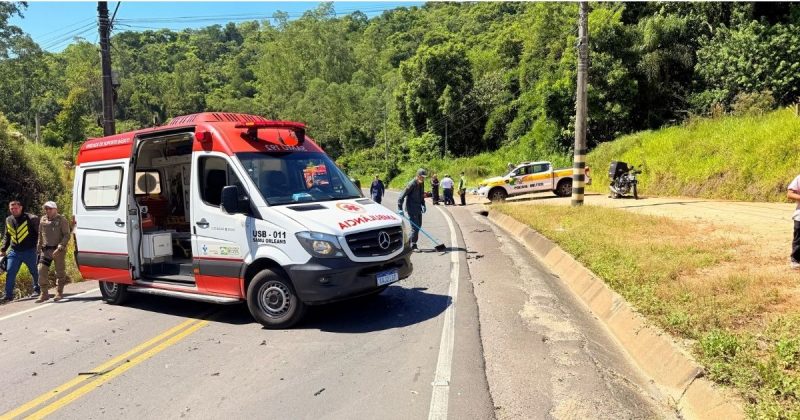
(44, 37)
(67, 35)
(69, 38)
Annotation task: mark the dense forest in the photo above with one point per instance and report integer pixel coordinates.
(416, 83)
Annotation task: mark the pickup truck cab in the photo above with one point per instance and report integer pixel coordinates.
(228, 208)
(530, 177)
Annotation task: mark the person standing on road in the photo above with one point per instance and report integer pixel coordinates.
(447, 186)
(462, 189)
(22, 231)
(793, 193)
(376, 190)
(435, 189)
(414, 196)
(52, 245)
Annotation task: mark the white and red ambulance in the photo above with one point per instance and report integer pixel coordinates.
(219, 207)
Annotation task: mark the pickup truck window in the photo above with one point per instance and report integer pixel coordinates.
(537, 169)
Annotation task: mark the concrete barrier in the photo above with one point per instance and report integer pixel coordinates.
(652, 349)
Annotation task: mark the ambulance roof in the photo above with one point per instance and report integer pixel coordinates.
(226, 137)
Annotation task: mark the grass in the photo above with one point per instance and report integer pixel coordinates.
(741, 320)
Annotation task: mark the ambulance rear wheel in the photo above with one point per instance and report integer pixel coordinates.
(273, 301)
(114, 293)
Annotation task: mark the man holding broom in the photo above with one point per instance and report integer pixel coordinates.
(414, 197)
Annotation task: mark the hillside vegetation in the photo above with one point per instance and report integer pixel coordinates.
(445, 79)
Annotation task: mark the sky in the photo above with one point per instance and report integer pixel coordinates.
(54, 25)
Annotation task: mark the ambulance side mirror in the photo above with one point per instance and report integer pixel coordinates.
(230, 199)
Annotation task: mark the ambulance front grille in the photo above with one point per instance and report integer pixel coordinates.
(368, 244)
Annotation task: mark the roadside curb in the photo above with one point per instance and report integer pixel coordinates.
(652, 349)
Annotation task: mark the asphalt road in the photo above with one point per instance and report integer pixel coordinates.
(477, 332)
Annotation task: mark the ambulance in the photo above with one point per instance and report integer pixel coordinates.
(228, 208)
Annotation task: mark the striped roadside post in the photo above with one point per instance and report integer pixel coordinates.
(578, 177)
(579, 163)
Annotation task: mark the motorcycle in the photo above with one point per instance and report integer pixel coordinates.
(623, 180)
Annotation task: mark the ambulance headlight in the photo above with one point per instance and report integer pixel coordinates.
(320, 245)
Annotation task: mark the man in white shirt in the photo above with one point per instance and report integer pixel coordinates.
(793, 193)
(447, 186)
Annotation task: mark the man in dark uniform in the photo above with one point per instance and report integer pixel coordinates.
(376, 190)
(22, 232)
(414, 197)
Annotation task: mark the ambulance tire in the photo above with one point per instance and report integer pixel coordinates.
(273, 302)
(114, 293)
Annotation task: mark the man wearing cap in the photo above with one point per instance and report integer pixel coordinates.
(53, 238)
(22, 229)
(414, 197)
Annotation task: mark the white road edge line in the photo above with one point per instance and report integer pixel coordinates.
(441, 381)
(44, 305)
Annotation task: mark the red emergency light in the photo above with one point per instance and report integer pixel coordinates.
(297, 131)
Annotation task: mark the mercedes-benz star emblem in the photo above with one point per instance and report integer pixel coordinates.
(383, 240)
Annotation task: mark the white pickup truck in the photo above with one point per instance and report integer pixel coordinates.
(530, 177)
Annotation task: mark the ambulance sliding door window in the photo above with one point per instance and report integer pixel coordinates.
(101, 188)
(216, 173)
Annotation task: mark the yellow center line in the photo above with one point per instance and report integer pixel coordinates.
(99, 380)
(99, 369)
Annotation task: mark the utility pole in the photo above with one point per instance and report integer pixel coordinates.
(385, 137)
(105, 61)
(445, 139)
(579, 162)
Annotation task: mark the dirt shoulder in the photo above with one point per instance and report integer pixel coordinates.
(767, 225)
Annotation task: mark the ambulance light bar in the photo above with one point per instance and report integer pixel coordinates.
(297, 130)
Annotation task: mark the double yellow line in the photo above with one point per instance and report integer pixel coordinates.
(86, 382)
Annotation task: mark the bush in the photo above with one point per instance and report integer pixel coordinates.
(753, 103)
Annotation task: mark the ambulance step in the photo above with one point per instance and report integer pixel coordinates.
(186, 270)
(183, 280)
(183, 295)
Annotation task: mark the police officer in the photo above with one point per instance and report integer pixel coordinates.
(414, 196)
(53, 238)
(22, 229)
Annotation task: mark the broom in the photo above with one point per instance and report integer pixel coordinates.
(439, 246)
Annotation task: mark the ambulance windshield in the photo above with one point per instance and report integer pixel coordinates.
(297, 177)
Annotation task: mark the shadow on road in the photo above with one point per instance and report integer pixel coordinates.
(396, 307)
(230, 314)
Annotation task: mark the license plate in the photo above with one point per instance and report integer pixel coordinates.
(386, 277)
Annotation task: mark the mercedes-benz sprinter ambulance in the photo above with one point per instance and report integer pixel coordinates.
(224, 208)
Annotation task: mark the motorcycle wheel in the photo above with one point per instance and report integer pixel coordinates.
(635, 193)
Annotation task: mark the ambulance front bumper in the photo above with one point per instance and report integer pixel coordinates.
(324, 280)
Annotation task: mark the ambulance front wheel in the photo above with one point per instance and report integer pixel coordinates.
(273, 301)
(113, 293)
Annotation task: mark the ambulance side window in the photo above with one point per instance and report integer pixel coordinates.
(102, 188)
(215, 173)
